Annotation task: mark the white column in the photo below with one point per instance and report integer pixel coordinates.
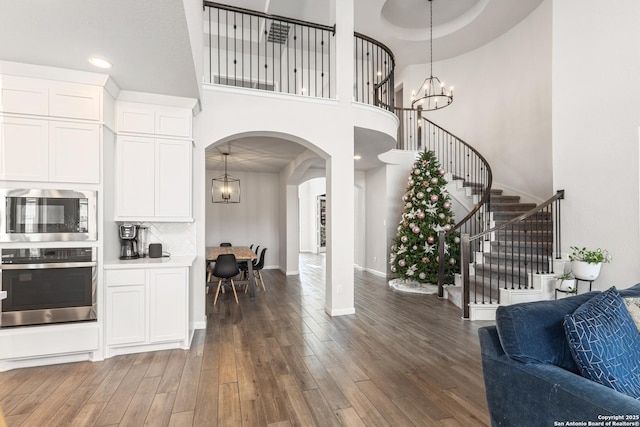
(340, 175)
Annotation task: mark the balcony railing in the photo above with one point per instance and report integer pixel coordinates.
(374, 72)
(256, 50)
(250, 49)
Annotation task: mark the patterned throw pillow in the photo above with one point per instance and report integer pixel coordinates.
(605, 343)
(633, 307)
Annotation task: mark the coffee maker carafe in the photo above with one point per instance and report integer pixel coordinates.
(129, 241)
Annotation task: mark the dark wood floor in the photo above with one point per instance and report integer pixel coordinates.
(401, 360)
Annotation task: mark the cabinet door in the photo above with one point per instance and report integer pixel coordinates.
(73, 100)
(24, 95)
(173, 121)
(74, 153)
(133, 117)
(125, 315)
(135, 173)
(173, 179)
(167, 304)
(24, 152)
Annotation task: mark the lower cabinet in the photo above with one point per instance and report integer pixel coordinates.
(146, 309)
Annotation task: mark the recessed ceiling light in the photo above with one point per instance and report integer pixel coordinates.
(357, 157)
(99, 62)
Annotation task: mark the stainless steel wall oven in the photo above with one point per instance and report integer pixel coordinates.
(43, 215)
(48, 285)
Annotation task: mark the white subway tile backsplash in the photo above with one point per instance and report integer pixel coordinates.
(177, 238)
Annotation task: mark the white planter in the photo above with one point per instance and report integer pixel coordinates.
(585, 271)
(567, 285)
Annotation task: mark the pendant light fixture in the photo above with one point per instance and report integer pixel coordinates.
(435, 95)
(225, 188)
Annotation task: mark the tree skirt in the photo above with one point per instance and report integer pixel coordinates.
(413, 286)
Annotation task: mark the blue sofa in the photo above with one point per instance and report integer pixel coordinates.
(530, 376)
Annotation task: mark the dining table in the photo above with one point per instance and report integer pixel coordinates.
(242, 253)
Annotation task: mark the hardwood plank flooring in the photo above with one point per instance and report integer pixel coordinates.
(401, 360)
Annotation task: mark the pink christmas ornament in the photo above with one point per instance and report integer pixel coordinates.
(434, 198)
(415, 230)
(411, 182)
(447, 227)
(421, 215)
(402, 263)
(446, 205)
(430, 239)
(442, 171)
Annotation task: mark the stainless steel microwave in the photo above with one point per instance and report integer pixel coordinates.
(43, 215)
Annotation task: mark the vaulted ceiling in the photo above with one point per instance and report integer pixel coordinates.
(150, 43)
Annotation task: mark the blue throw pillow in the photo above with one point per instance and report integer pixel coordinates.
(605, 343)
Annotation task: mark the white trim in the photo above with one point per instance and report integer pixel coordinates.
(376, 272)
(340, 312)
(265, 94)
(200, 324)
(153, 98)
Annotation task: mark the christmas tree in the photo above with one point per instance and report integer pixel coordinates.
(427, 212)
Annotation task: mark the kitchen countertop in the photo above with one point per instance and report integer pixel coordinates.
(165, 262)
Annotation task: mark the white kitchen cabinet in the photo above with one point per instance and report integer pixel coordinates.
(146, 309)
(48, 151)
(133, 117)
(153, 179)
(135, 174)
(22, 95)
(74, 101)
(74, 152)
(24, 149)
(25, 95)
(167, 304)
(126, 314)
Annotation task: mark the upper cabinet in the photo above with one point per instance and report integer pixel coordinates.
(49, 151)
(25, 95)
(153, 163)
(150, 119)
(50, 131)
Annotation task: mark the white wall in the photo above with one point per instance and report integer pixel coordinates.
(596, 117)
(502, 101)
(308, 193)
(252, 221)
(376, 258)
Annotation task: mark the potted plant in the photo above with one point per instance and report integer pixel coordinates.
(586, 264)
(566, 283)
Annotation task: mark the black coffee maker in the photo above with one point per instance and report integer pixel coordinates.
(129, 241)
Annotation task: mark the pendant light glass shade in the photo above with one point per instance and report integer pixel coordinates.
(225, 188)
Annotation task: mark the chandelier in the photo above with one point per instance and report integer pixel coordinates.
(435, 95)
(225, 188)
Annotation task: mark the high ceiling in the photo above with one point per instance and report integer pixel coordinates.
(150, 42)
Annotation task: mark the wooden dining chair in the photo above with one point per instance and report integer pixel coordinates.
(225, 268)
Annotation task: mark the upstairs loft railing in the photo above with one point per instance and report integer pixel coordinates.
(510, 253)
(256, 50)
(374, 73)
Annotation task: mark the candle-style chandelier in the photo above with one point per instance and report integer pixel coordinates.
(435, 95)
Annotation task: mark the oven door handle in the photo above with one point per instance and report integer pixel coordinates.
(47, 265)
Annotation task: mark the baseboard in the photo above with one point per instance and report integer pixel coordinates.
(376, 272)
(200, 324)
(340, 312)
